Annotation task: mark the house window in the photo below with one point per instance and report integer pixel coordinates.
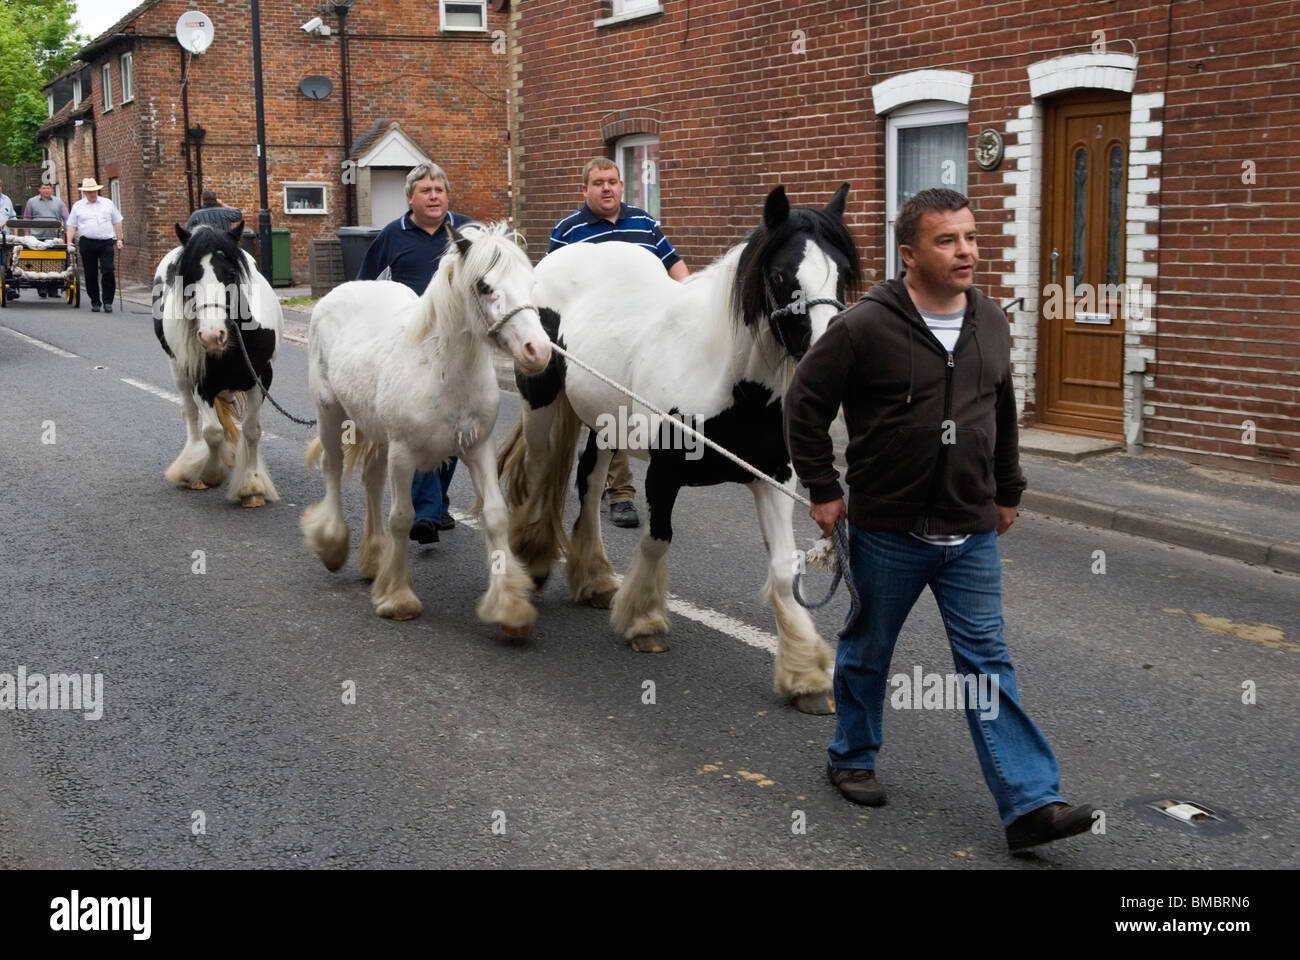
(463, 16)
(128, 80)
(115, 192)
(49, 102)
(637, 157)
(76, 90)
(925, 147)
(623, 8)
(107, 74)
(305, 198)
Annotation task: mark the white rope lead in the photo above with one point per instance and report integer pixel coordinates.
(691, 431)
(836, 545)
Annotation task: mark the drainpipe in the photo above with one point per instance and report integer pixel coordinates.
(67, 168)
(185, 141)
(349, 189)
(265, 255)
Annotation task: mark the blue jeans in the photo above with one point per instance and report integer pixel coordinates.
(429, 491)
(890, 570)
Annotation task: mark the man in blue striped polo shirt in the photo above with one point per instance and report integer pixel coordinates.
(603, 217)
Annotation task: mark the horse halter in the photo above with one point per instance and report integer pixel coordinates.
(495, 328)
(799, 306)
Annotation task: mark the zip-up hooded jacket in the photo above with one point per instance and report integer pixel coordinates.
(933, 443)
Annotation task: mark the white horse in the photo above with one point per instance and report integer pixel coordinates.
(404, 382)
(718, 351)
(207, 296)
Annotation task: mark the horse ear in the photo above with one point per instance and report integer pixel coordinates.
(776, 209)
(237, 231)
(462, 244)
(182, 233)
(836, 207)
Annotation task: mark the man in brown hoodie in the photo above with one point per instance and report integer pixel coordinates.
(922, 368)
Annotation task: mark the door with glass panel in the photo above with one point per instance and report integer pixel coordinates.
(1081, 312)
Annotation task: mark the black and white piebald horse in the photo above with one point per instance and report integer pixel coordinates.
(717, 350)
(201, 291)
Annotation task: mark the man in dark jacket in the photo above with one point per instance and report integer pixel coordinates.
(922, 367)
(213, 213)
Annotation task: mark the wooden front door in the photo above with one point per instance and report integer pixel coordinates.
(1081, 320)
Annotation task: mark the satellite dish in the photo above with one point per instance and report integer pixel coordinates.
(316, 87)
(194, 31)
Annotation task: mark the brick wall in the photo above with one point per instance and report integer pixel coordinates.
(448, 91)
(748, 95)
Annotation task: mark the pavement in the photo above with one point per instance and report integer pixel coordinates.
(1093, 482)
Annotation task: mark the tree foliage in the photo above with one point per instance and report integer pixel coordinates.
(38, 39)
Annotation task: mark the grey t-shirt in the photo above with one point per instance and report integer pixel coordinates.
(53, 208)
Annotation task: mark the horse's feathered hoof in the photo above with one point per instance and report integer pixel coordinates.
(818, 703)
(253, 500)
(197, 485)
(602, 600)
(515, 633)
(400, 608)
(650, 643)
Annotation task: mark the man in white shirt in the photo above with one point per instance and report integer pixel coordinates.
(6, 211)
(98, 226)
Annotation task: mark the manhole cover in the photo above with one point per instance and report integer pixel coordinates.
(1178, 812)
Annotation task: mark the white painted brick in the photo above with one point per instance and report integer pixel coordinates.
(1142, 270)
(1144, 156)
(1147, 241)
(1140, 143)
(1148, 100)
(1139, 116)
(1144, 130)
(1026, 112)
(1019, 125)
(1136, 228)
(1137, 172)
(1015, 151)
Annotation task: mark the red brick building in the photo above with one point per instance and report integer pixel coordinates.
(1150, 151)
(157, 125)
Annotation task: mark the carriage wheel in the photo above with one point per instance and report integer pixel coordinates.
(73, 292)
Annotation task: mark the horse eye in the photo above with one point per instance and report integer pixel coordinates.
(483, 288)
(778, 277)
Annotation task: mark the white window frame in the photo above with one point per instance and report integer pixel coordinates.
(930, 113)
(49, 101)
(115, 192)
(635, 140)
(623, 10)
(106, 78)
(76, 89)
(324, 195)
(442, 16)
(126, 66)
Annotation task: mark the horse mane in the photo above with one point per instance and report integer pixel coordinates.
(206, 239)
(749, 295)
(442, 305)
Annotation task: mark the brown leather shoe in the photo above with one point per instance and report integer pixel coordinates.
(1052, 822)
(857, 786)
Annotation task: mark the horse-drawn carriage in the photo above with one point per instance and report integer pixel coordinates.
(36, 262)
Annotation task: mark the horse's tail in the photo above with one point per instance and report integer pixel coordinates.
(357, 448)
(537, 532)
(230, 408)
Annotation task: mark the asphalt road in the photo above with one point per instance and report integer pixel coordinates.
(223, 691)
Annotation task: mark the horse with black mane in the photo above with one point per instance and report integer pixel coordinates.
(717, 350)
(207, 296)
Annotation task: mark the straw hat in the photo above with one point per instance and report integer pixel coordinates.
(89, 184)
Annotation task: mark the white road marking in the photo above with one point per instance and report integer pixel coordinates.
(150, 388)
(40, 343)
(730, 626)
(175, 398)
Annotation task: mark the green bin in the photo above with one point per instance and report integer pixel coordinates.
(281, 271)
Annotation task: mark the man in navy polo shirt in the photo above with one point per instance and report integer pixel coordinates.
(408, 251)
(604, 217)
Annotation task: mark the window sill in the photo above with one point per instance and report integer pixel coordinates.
(305, 213)
(630, 15)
